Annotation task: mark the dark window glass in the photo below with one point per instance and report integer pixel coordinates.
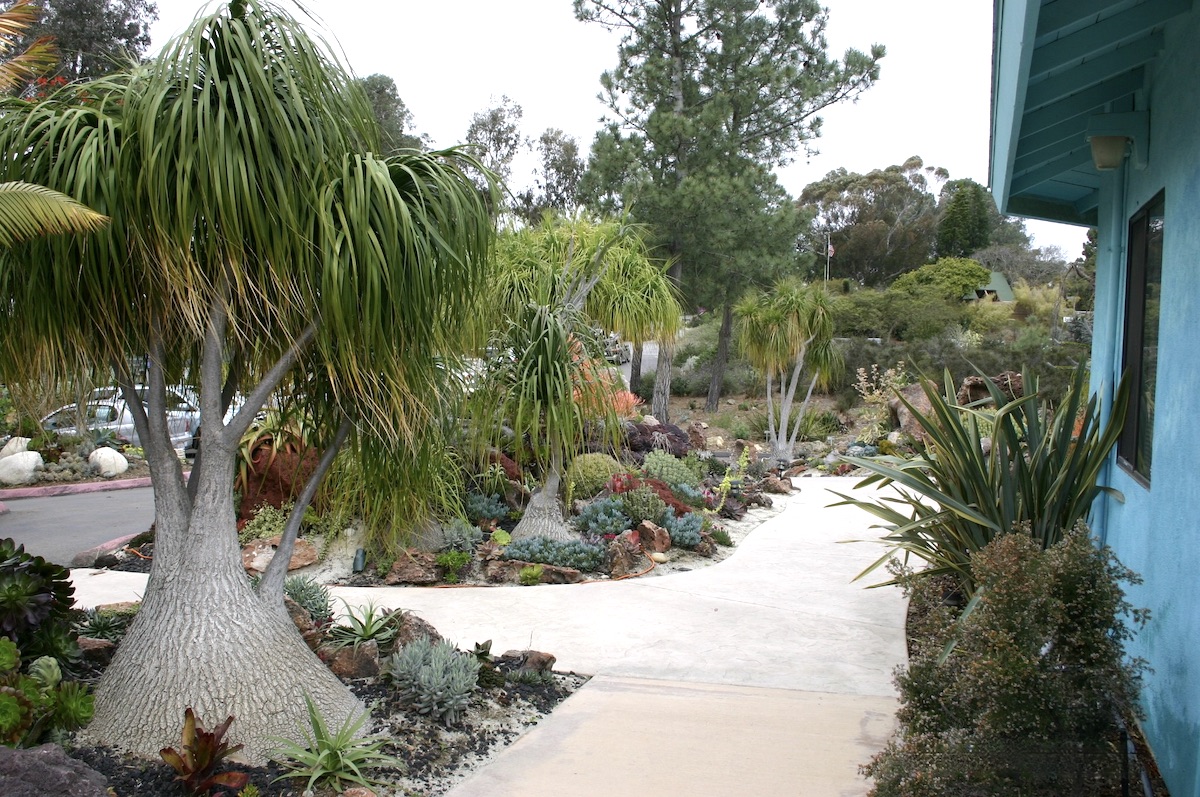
(1142, 296)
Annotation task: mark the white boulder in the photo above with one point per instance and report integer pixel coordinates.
(15, 445)
(108, 461)
(19, 468)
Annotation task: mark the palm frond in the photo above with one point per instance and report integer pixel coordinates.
(28, 211)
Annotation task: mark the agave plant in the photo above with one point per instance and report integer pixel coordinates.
(1042, 469)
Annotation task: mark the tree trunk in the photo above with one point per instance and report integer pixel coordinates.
(203, 640)
(659, 405)
(718, 373)
(635, 369)
(544, 515)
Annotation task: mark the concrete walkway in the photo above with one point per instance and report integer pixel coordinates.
(767, 674)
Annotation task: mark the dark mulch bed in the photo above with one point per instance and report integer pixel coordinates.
(435, 757)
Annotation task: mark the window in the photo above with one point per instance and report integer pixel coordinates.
(1142, 294)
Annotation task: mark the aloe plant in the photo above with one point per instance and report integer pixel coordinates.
(1043, 469)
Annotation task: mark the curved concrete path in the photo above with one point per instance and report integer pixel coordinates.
(767, 674)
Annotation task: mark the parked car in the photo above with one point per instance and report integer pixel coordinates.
(107, 410)
(616, 350)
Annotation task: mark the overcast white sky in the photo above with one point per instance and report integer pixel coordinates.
(452, 58)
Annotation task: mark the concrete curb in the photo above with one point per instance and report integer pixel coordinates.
(72, 489)
(88, 558)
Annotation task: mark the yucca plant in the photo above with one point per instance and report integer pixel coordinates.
(1042, 469)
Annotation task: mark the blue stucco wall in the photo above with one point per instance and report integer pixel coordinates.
(1156, 530)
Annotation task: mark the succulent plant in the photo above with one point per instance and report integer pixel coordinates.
(571, 553)
(434, 678)
(685, 529)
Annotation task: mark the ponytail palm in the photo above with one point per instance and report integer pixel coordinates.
(254, 238)
(553, 287)
(787, 332)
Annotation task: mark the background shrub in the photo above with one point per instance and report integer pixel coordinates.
(485, 509)
(312, 596)
(434, 678)
(643, 503)
(685, 530)
(458, 535)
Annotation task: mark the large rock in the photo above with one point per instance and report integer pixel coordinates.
(413, 567)
(108, 461)
(654, 537)
(903, 417)
(534, 660)
(47, 771)
(974, 388)
(641, 438)
(625, 554)
(501, 571)
(351, 662)
(19, 468)
(776, 485)
(259, 553)
(97, 651)
(15, 445)
(413, 628)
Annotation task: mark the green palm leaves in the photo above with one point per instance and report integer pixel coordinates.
(552, 285)
(237, 170)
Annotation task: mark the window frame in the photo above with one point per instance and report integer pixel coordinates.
(1140, 274)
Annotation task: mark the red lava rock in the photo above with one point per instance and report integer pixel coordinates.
(655, 538)
(413, 567)
(275, 480)
(259, 553)
(356, 661)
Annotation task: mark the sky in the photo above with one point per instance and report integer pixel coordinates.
(453, 58)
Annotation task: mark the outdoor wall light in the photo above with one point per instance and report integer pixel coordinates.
(1108, 151)
(1114, 136)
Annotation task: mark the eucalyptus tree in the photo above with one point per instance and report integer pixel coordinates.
(880, 224)
(253, 239)
(788, 333)
(706, 96)
(555, 289)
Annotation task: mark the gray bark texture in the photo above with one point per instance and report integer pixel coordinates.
(659, 406)
(635, 369)
(203, 639)
(544, 515)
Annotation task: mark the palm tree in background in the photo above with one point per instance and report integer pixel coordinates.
(787, 332)
(557, 289)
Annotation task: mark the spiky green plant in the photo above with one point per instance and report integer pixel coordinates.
(1042, 470)
(336, 758)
